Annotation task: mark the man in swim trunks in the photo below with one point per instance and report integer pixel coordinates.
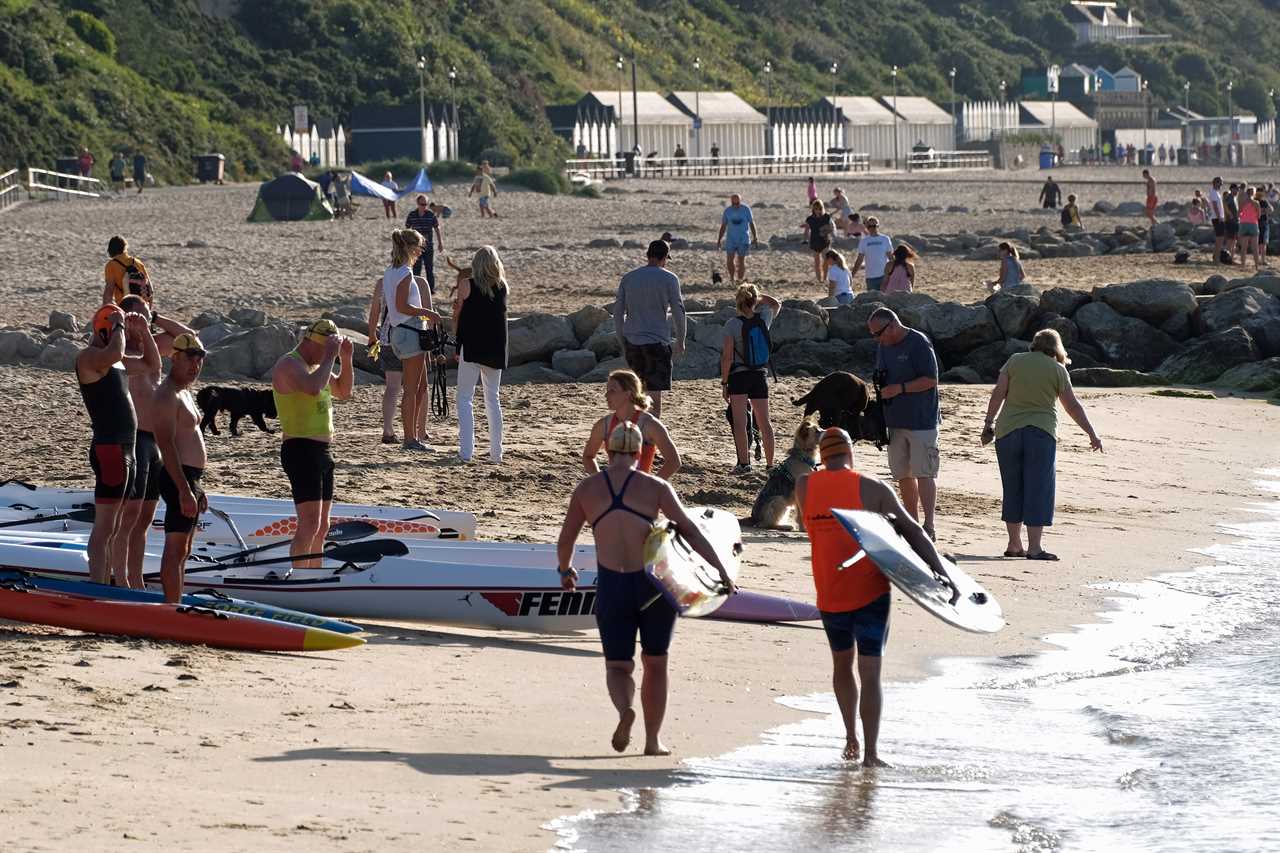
(101, 371)
(646, 296)
(1152, 200)
(853, 599)
(741, 228)
(176, 422)
(621, 504)
(304, 385)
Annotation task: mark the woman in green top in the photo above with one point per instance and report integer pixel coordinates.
(1030, 385)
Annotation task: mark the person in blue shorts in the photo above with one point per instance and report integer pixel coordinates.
(738, 235)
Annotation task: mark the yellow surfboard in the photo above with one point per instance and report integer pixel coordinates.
(688, 582)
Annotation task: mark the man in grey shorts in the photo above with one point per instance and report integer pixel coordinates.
(907, 371)
(645, 295)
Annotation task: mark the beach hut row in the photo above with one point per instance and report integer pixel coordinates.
(324, 142)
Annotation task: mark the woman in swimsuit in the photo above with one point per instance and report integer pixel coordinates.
(629, 404)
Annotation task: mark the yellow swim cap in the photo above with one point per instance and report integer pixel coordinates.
(321, 329)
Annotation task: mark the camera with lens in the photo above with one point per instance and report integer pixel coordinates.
(879, 377)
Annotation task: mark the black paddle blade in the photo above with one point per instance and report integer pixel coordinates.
(346, 531)
(85, 515)
(367, 552)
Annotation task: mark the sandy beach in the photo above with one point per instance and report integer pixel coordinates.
(428, 737)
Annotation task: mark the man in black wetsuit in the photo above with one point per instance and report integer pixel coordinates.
(101, 370)
(1050, 193)
(621, 504)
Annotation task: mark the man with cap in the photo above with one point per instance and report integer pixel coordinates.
(423, 219)
(621, 504)
(304, 386)
(741, 228)
(645, 296)
(853, 598)
(176, 422)
(101, 371)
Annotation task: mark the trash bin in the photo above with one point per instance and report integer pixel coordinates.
(836, 161)
(67, 166)
(210, 167)
(630, 159)
(1184, 157)
(1046, 157)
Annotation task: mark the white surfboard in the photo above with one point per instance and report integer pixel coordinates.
(687, 581)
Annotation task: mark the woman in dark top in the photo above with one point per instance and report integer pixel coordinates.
(819, 228)
(480, 316)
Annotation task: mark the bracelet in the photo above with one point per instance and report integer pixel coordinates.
(564, 573)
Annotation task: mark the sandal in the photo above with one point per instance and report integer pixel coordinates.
(1015, 553)
(389, 439)
(1043, 555)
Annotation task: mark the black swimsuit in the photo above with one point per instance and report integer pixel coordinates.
(615, 502)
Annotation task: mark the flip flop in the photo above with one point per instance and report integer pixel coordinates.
(1043, 555)
(1015, 553)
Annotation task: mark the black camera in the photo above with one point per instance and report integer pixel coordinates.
(879, 377)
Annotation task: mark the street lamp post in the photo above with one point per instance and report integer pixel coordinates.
(1146, 120)
(1186, 95)
(835, 118)
(453, 103)
(1231, 120)
(697, 106)
(768, 107)
(1097, 112)
(422, 108)
(955, 144)
(894, 75)
(1003, 87)
(1054, 72)
(618, 120)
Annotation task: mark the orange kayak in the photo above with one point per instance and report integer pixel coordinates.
(173, 622)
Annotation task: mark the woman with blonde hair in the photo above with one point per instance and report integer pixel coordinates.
(480, 317)
(744, 362)
(839, 281)
(628, 403)
(406, 311)
(1025, 398)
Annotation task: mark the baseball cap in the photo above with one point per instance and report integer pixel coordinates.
(834, 442)
(190, 344)
(625, 438)
(321, 329)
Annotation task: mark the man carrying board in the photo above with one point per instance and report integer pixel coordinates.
(853, 598)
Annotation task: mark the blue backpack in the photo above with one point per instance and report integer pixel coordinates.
(757, 346)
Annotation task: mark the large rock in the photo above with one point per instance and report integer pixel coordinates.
(697, 362)
(910, 307)
(961, 375)
(1207, 358)
(214, 334)
(817, 358)
(586, 320)
(534, 337)
(250, 318)
(573, 362)
(1163, 237)
(604, 243)
(600, 373)
(250, 353)
(1236, 307)
(798, 324)
(604, 341)
(1213, 285)
(987, 360)
(1124, 341)
(956, 329)
(849, 322)
(1013, 313)
(1129, 208)
(1063, 301)
(534, 373)
(1157, 301)
(1108, 377)
(1254, 376)
(63, 321)
(17, 346)
(208, 318)
(1267, 283)
(59, 354)
(708, 330)
(1066, 329)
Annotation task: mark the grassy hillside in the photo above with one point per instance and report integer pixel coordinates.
(164, 76)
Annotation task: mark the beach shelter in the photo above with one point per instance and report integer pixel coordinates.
(868, 125)
(662, 126)
(920, 120)
(1073, 127)
(290, 197)
(362, 185)
(728, 122)
(420, 184)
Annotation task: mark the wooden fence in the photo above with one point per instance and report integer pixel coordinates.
(751, 165)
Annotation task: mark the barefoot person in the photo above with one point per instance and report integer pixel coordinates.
(621, 504)
(744, 362)
(629, 404)
(647, 296)
(140, 506)
(101, 371)
(741, 232)
(1152, 199)
(177, 429)
(853, 599)
(304, 386)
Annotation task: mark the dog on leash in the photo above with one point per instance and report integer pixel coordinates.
(254, 403)
(776, 500)
(753, 429)
(843, 400)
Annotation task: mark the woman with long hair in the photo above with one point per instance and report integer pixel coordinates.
(1031, 385)
(480, 316)
(392, 368)
(820, 230)
(405, 314)
(628, 403)
(744, 367)
(839, 283)
(900, 272)
(1011, 271)
(1250, 213)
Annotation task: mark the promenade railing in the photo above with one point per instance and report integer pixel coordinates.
(921, 160)
(685, 167)
(10, 189)
(61, 185)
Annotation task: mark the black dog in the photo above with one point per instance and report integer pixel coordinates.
(843, 400)
(255, 403)
(753, 429)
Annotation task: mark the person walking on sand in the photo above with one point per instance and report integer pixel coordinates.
(874, 250)
(181, 444)
(908, 371)
(124, 274)
(86, 161)
(1217, 216)
(407, 308)
(140, 170)
(853, 598)
(628, 403)
(621, 504)
(140, 506)
(741, 228)
(646, 296)
(486, 188)
(811, 191)
(480, 317)
(839, 281)
(819, 229)
(744, 361)
(304, 386)
(102, 370)
(116, 168)
(1011, 271)
(425, 219)
(389, 205)
(1231, 206)
(1026, 437)
(1152, 199)
(1050, 193)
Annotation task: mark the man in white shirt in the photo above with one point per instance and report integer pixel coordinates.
(1218, 218)
(874, 250)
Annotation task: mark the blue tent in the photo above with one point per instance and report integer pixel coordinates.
(360, 185)
(420, 184)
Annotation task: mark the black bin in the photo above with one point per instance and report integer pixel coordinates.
(210, 167)
(1184, 156)
(836, 161)
(67, 166)
(630, 158)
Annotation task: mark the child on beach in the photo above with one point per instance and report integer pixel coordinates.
(811, 191)
(485, 186)
(839, 281)
(1070, 212)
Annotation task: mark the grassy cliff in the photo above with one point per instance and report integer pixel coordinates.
(179, 77)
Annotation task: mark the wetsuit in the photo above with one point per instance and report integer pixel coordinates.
(647, 450)
(147, 468)
(627, 602)
(115, 427)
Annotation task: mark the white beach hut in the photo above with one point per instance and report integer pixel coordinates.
(728, 123)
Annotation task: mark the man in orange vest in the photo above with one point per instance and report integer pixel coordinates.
(853, 599)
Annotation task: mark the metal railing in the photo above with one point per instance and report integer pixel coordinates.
(10, 189)
(63, 185)
(751, 165)
(918, 160)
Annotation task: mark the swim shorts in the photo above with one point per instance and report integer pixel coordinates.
(1233, 228)
(174, 520)
(309, 466)
(652, 363)
(1152, 201)
(737, 247)
(625, 604)
(112, 466)
(484, 201)
(147, 468)
(867, 626)
(1248, 229)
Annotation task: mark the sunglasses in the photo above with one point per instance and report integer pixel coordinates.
(882, 330)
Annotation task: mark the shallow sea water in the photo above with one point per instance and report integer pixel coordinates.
(1156, 728)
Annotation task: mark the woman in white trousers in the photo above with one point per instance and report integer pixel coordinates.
(480, 317)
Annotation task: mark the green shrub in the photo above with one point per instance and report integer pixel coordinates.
(403, 170)
(540, 180)
(93, 32)
(497, 157)
(443, 170)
